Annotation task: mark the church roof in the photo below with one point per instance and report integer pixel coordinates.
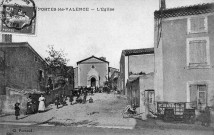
(185, 11)
(90, 58)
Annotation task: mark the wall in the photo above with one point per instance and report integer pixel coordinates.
(158, 65)
(122, 73)
(22, 71)
(141, 63)
(146, 83)
(176, 74)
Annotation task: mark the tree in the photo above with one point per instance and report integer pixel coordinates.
(57, 64)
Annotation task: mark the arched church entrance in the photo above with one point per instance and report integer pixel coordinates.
(93, 82)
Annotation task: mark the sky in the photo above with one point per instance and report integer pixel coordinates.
(81, 34)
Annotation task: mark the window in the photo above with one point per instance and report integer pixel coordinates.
(198, 52)
(41, 75)
(198, 95)
(35, 58)
(197, 24)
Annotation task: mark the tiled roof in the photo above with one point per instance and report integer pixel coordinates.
(138, 51)
(185, 11)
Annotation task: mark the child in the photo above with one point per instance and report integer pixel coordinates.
(17, 109)
(90, 100)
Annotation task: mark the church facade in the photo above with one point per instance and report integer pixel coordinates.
(91, 72)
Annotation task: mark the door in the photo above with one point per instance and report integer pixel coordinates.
(150, 101)
(93, 82)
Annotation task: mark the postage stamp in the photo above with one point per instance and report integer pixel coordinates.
(18, 17)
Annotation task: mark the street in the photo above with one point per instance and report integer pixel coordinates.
(105, 111)
(101, 117)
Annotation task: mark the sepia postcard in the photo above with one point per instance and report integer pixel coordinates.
(93, 67)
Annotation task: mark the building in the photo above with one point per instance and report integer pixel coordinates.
(184, 54)
(141, 94)
(22, 71)
(21, 67)
(112, 70)
(135, 61)
(114, 79)
(91, 72)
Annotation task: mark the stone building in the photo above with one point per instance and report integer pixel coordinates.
(22, 71)
(21, 67)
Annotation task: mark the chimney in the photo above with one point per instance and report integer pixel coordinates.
(162, 4)
(7, 38)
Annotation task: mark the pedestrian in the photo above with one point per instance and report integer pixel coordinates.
(71, 98)
(92, 91)
(85, 95)
(57, 101)
(90, 100)
(17, 109)
(41, 104)
(29, 106)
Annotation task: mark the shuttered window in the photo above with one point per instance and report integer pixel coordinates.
(198, 24)
(197, 52)
(198, 94)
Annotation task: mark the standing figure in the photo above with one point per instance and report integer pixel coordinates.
(29, 105)
(57, 101)
(17, 109)
(41, 104)
(85, 95)
(71, 98)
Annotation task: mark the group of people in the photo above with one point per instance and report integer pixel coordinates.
(31, 106)
(60, 99)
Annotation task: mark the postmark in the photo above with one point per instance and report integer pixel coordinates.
(18, 16)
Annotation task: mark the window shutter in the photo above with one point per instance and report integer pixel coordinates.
(202, 93)
(202, 23)
(193, 93)
(193, 23)
(192, 55)
(197, 52)
(202, 51)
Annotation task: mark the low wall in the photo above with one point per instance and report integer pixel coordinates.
(13, 96)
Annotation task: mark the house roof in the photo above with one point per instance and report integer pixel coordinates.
(138, 51)
(22, 44)
(90, 58)
(185, 11)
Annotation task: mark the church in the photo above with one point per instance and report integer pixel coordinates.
(91, 72)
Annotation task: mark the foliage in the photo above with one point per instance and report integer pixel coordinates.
(56, 60)
(56, 63)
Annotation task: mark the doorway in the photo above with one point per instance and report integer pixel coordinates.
(93, 82)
